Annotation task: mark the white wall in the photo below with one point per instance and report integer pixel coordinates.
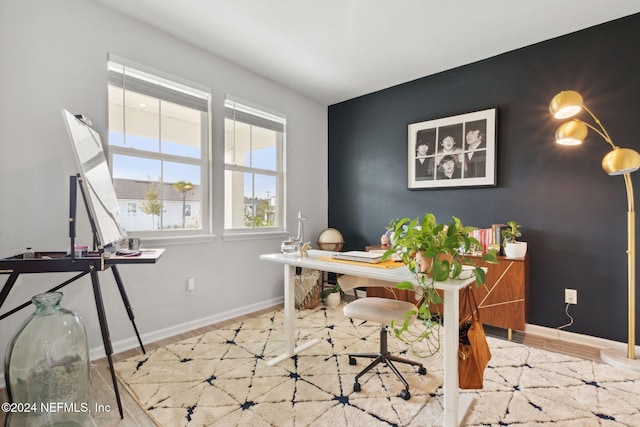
(53, 55)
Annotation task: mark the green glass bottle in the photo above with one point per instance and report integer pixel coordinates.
(47, 368)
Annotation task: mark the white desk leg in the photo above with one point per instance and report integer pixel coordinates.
(451, 308)
(455, 405)
(289, 319)
(289, 309)
(454, 410)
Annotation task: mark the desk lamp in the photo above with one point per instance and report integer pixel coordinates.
(619, 161)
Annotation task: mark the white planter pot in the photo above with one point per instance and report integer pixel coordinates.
(515, 250)
(333, 299)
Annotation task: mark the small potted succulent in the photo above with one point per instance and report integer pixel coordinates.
(512, 247)
(332, 296)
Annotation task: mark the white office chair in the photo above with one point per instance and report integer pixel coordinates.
(383, 311)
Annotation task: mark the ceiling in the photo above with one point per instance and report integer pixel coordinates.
(335, 50)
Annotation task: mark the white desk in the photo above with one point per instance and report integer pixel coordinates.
(455, 406)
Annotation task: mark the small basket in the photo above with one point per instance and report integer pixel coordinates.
(308, 286)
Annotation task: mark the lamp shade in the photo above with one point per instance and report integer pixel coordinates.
(571, 133)
(620, 161)
(567, 103)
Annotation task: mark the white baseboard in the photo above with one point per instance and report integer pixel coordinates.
(132, 342)
(559, 334)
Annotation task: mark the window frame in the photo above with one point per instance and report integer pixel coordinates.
(132, 208)
(263, 115)
(203, 162)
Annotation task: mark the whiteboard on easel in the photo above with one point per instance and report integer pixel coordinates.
(96, 181)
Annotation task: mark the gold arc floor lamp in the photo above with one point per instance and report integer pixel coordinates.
(619, 161)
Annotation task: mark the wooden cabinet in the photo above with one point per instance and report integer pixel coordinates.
(502, 300)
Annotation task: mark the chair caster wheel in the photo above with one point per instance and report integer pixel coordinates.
(356, 387)
(405, 394)
(352, 360)
(422, 370)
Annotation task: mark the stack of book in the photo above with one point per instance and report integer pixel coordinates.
(489, 237)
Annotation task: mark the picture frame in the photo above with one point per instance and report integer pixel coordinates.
(455, 151)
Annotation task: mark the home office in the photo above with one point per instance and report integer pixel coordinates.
(573, 214)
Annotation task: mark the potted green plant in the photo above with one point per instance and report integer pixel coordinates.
(512, 247)
(433, 252)
(332, 296)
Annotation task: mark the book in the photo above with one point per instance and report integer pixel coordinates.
(360, 256)
(497, 236)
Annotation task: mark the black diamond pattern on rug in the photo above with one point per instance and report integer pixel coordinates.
(222, 378)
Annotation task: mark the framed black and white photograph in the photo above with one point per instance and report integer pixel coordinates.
(456, 151)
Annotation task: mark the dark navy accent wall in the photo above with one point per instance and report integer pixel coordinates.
(573, 214)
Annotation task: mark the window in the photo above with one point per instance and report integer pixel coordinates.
(158, 150)
(254, 168)
(132, 209)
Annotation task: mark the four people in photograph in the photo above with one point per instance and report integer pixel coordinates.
(454, 157)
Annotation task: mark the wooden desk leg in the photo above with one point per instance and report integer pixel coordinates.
(127, 304)
(106, 337)
(509, 334)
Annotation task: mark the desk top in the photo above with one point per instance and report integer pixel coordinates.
(317, 261)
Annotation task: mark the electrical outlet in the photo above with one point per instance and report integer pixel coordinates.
(571, 296)
(191, 287)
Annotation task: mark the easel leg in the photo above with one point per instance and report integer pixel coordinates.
(13, 277)
(127, 305)
(106, 337)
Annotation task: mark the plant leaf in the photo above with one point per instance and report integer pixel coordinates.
(480, 276)
(405, 286)
(441, 269)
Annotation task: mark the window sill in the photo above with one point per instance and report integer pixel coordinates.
(230, 236)
(163, 241)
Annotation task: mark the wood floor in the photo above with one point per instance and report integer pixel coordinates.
(134, 416)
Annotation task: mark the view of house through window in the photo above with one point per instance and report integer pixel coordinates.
(254, 168)
(158, 133)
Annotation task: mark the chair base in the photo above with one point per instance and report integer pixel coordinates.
(384, 356)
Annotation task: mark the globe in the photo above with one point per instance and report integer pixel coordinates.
(330, 239)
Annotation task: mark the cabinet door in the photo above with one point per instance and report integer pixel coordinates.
(502, 299)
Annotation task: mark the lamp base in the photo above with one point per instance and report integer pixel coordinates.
(619, 359)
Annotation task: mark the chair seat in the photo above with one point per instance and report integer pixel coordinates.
(383, 311)
(380, 310)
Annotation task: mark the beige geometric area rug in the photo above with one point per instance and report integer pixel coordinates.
(221, 378)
